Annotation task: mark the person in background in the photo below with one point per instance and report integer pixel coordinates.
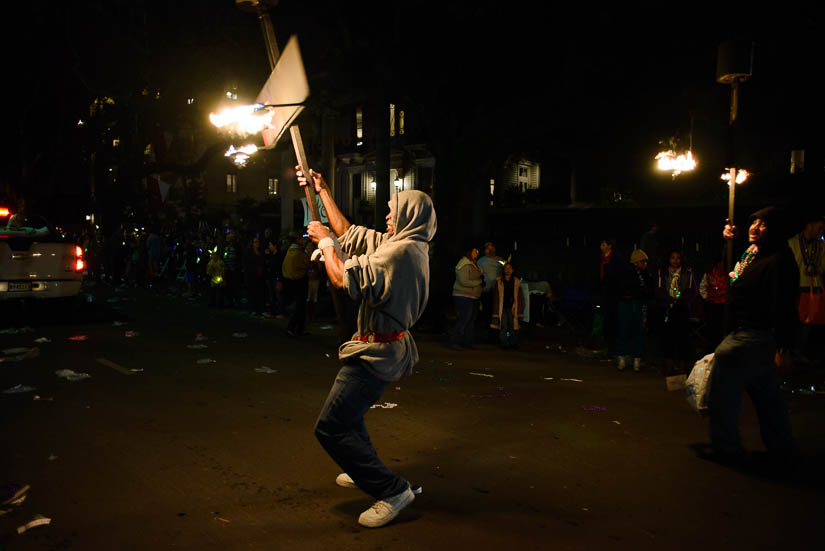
(215, 271)
(232, 271)
(763, 312)
(714, 290)
(270, 248)
(466, 294)
(650, 243)
(295, 271)
(508, 307)
(313, 282)
(190, 266)
(612, 267)
(675, 291)
(154, 251)
(254, 277)
(809, 252)
(278, 263)
(540, 300)
(491, 267)
(632, 311)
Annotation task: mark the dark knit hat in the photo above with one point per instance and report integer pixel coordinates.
(777, 220)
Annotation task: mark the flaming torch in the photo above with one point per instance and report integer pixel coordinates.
(741, 175)
(241, 156)
(241, 121)
(670, 161)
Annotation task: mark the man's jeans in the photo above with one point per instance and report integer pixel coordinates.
(744, 362)
(466, 310)
(341, 431)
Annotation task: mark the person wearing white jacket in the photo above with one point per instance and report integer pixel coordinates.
(466, 294)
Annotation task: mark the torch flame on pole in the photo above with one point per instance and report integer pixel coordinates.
(243, 121)
(741, 176)
(674, 163)
(241, 155)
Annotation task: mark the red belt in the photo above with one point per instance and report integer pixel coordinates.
(381, 337)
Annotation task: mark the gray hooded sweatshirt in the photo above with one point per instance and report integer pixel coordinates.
(390, 275)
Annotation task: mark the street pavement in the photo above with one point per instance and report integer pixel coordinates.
(526, 449)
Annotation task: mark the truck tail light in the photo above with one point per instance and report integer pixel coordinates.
(79, 264)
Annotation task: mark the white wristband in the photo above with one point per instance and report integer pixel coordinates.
(325, 242)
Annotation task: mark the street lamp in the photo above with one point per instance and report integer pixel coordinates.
(672, 161)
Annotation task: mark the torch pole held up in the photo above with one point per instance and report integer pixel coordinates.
(731, 196)
(301, 156)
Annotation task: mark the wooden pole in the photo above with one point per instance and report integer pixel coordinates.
(734, 104)
(300, 154)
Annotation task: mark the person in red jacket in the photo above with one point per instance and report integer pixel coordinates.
(714, 290)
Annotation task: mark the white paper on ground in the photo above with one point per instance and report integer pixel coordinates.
(38, 520)
(71, 375)
(385, 405)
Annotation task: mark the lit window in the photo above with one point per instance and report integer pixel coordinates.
(359, 125)
(231, 183)
(401, 122)
(523, 177)
(115, 142)
(392, 119)
(272, 186)
(369, 188)
(190, 101)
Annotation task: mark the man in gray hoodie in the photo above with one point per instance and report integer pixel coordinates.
(389, 274)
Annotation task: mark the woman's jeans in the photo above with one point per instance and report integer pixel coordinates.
(341, 431)
(631, 340)
(466, 310)
(743, 361)
(507, 335)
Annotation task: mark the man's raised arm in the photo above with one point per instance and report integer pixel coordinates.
(337, 221)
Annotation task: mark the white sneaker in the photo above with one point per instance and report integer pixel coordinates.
(622, 363)
(637, 364)
(345, 481)
(383, 511)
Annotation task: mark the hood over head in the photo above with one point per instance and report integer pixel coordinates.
(414, 216)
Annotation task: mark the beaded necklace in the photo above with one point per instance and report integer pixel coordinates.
(810, 254)
(747, 258)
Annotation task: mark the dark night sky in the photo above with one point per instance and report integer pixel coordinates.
(600, 84)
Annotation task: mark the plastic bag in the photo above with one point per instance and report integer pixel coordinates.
(697, 389)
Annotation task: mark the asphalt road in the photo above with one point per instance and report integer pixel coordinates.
(156, 451)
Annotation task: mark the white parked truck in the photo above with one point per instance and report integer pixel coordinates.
(36, 261)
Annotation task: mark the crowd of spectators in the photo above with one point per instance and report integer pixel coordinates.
(647, 308)
(649, 295)
(226, 267)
